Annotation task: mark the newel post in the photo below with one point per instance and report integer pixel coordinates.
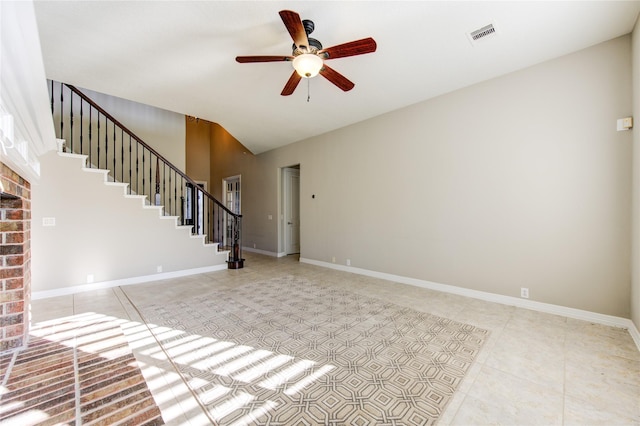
(235, 257)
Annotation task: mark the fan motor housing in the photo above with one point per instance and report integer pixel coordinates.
(314, 46)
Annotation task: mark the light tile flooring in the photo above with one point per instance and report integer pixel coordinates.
(535, 368)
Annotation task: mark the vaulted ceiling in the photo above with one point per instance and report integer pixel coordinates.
(180, 55)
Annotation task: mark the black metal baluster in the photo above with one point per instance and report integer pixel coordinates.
(90, 127)
(98, 143)
(156, 195)
(130, 159)
(181, 198)
(150, 179)
(208, 227)
(122, 155)
(219, 225)
(61, 113)
(106, 143)
(52, 87)
(171, 206)
(143, 173)
(164, 185)
(71, 122)
(238, 260)
(114, 152)
(81, 125)
(196, 210)
(137, 166)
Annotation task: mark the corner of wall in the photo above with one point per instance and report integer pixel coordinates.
(635, 242)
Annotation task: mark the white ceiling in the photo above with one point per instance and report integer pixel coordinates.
(180, 55)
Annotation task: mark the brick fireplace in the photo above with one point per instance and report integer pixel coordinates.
(15, 259)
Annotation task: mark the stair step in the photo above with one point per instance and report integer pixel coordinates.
(112, 183)
(72, 155)
(134, 196)
(92, 170)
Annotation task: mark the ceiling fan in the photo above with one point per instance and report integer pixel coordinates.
(308, 55)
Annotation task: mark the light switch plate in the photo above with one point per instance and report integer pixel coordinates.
(624, 124)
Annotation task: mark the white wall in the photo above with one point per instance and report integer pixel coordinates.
(521, 181)
(26, 128)
(98, 232)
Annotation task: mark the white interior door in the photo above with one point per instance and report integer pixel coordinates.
(291, 210)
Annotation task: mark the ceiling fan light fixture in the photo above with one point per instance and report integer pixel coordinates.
(308, 65)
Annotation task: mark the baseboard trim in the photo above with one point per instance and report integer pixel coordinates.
(65, 291)
(579, 314)
(635, 334)
(265, 252)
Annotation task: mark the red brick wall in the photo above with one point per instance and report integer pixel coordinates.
(15, 260)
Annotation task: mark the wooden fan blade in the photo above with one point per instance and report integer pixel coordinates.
(294, 25)
(248, 59)
(291, 84)
(353, 48)
(336, 78)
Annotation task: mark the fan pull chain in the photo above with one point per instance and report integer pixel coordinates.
(308, 89)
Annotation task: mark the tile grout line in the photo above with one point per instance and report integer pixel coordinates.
(564, 375)
(76, 375)
(175, 367)
(9, 368)
(115, 293)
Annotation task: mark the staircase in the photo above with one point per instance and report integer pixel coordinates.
(125, 161)
(90, 233)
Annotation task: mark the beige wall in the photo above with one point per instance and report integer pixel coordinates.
(228, 158)
(197, 142)
(125, 239)
(163, 130)
(521, 181)
(213, 154)
(635, 286)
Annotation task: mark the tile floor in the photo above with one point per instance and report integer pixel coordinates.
(535, 368)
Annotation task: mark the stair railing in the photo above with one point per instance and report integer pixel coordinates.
(89, 130)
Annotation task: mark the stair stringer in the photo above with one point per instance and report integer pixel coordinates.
(102, 233)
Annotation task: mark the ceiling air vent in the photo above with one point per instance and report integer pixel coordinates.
(482, 34)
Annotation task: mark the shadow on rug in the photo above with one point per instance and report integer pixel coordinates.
(291, 351)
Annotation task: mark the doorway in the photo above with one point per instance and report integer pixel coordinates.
(291, 209)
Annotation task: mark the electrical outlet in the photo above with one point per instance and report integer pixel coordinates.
(89, 278)
(48, 221)
(159, 268)
(348, 262)
(524, 293)
(333, 259)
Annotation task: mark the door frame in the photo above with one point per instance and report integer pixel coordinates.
(282, 234)
(224, 189)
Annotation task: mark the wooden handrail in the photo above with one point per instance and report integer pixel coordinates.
(196, 207)
(153, 151)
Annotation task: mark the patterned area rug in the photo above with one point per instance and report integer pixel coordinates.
(293, 352)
